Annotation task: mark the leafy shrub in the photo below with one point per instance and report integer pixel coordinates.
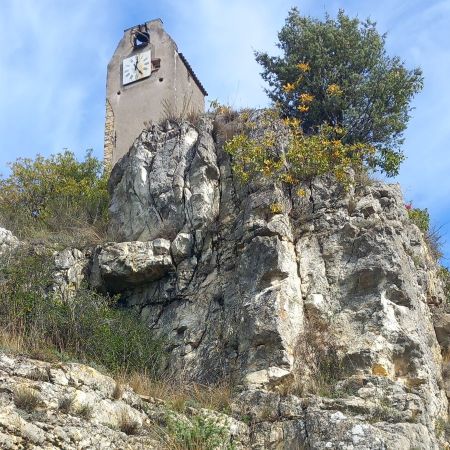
(56, 198)
(198, 433)
(90, 326)
(279, 150)
(336, 72)
(419, 217)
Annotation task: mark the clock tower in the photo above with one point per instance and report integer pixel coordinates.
(147, 78)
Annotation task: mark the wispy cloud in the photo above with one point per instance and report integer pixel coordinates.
(222, 43)
(52, 61)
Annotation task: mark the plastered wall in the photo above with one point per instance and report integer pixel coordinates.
(170, 90)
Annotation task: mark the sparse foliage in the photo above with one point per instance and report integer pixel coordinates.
(337, 72)
(65, 404)
(90, 327)
(445, 277)
(128, 424)
(319, 365)
(84, 411)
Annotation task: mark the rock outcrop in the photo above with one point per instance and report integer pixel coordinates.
(316, 310)
(239, 292)
(71, 406)
(8, 241)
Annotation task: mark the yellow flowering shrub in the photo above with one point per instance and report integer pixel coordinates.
(303, 157)
(289, 87)
(276, 208)
(306, 98)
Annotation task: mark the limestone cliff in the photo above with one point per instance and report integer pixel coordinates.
(318, 313)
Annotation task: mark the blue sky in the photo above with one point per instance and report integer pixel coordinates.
(54, 55)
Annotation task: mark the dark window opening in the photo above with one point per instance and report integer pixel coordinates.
(156, 63)
(141, 36)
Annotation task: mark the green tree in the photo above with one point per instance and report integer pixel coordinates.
(53, 195)
(337, 72)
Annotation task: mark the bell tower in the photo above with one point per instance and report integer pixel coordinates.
(147, 79)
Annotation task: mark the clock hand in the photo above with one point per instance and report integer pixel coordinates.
(136, 66)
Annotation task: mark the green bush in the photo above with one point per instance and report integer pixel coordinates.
(421, 218)
(280, 151)
(89, 327)
(337, 72)
(199, 433)
(56, 199)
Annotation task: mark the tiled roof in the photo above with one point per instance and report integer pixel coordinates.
(189, 68)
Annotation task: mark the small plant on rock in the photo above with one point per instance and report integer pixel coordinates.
(319, 364)
(85, 411)
(118, 391)
(199, 433)
(419, 217)
(27, 398)
(127, 424)
(65, 404)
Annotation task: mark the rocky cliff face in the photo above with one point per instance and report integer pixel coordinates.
(318, 310)
(245, 293)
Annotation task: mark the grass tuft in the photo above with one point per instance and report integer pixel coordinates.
(127, 424)
(27, 398)
(65, 404)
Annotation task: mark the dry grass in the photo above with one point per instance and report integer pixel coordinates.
(84, 411)
(17, 342)
(27, 398)
(65, 404)
(318, 362)
(117, 392)
(12, 342)
(179, 394)
(127, 424)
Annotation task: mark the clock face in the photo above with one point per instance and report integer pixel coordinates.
(136, 67)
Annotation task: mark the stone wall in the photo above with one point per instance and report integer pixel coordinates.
(110, 136)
